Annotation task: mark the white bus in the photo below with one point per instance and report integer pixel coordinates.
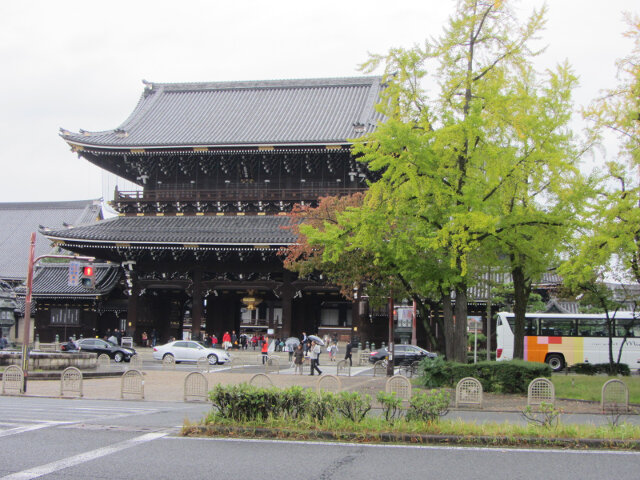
(566, 339)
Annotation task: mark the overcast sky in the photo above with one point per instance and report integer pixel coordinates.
(79, 64)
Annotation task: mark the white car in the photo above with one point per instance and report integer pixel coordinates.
(189, 351)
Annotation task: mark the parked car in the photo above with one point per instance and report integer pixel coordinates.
(404, 354)
(190, 351)
(99, 346)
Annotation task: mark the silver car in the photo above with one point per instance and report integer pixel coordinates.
(189, 351)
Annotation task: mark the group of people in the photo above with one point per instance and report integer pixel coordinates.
(313, 349)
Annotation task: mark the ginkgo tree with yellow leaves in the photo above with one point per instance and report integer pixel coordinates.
(477, 162)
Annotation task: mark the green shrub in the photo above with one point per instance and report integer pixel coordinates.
(428, 406)
(595, 368)
(295, 402)
(321, 405)
(352, 405)
(245, 402)
(391, 405)
(507, 377)
(481, 356)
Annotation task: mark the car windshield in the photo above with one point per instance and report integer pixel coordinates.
(110, 344)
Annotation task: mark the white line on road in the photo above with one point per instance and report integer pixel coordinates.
(28, 428)
(415, 447)
(81, 458)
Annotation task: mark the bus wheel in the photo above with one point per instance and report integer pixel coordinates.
(555, 361)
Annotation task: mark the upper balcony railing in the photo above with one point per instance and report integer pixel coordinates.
(249, 193)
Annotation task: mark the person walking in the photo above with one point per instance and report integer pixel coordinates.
(145, 339)
(315, 351)
(265, 350)
(226, 341)
(298, 358)
(347, 354)
(333, 351)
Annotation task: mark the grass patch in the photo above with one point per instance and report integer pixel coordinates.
(587, 387)
(372, 427)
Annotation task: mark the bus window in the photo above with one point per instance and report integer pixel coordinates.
(633, 326)
(531, 326)
(592, 327)
(557, 327)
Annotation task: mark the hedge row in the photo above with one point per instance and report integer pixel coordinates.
(595, 368)
(501, 377)
(245, 402)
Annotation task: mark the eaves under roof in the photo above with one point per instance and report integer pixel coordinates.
(19, 219)
(324, 111)
(181, 230)
(51, 280)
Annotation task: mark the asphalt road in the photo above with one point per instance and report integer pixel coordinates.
(93, 439)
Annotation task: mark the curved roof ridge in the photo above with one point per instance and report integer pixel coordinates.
(264, 112)
(276, 83)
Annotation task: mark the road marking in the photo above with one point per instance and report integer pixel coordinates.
(29, 428)
(414, 447)
(82, 458)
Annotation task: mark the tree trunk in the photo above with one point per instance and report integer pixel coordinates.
(521, 293)
(460, 328)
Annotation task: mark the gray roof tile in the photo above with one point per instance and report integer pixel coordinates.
(53, 280)
(201, 230)
(274, 112)
(18, 220)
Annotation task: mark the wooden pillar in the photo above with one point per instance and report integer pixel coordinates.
(132, 311)
(286, 296)
(196, 305)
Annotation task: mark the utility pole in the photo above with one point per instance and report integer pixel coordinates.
(27, 303)
(391, 349)
(27, 314)
(414, 312)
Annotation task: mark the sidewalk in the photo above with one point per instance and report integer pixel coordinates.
(168, 385)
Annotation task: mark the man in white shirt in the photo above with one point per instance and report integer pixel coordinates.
(315, 351)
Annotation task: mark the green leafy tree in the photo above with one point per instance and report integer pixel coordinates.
(610, 240)
(466, 169)
(475, 166)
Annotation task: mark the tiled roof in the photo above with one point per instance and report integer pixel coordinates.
(52, 280)
(200, 230)
(273, 112)
(18, 220)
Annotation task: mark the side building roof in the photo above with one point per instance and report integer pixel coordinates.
(251, 113)
(52, 280)
(19, 220)
(196, 230)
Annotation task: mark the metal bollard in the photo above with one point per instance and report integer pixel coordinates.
(373, 346)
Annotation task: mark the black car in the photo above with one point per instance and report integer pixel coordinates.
(100, 346)
(404, 354)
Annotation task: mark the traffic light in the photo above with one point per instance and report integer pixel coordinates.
(88, 279)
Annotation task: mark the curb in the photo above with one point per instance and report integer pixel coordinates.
(410, 438)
